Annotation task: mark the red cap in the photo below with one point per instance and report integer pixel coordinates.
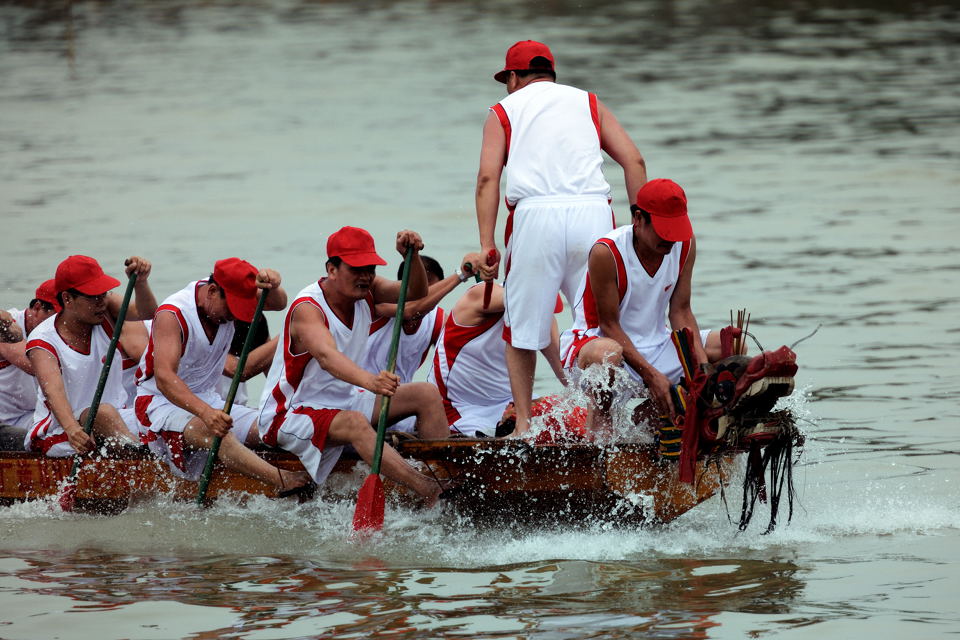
(521, 55)
(47, 292)
(666, 203)
(83, 274)
(238, 279)
(354, 246)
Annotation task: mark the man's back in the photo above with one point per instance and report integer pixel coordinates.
(553, 142)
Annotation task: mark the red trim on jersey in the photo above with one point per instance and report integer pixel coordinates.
(595, 114)
(621, 266)
(455, 338)
(437, 326)
(37, 343)
(378, 324)
(507, 129)
(293, 365)
(684, 250)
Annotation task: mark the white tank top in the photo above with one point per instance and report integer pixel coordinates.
(201, 361)
(80, 371)
(470, 365)
(18, 389)
(297, 379)
(553, 142)
(644, 299)
(413, 347)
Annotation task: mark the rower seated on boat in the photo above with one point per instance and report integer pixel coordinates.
(639, 278)
(470, 365)
(67, 352)
(178, 407)
(422, 322)
(317, 397)
(18, 386)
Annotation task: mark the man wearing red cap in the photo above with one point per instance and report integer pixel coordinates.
(18, 387)
(640, 275)
(67, 352)
(317, 398)
(179, 409)
(549, 137)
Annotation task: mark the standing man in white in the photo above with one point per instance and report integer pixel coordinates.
(549, 137)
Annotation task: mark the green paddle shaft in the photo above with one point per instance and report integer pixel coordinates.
(105, 371)
(392, 360)
(231, 394)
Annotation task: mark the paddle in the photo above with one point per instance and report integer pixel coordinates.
(68, 494)
(488, 288)
(369, 512)
(231, 394)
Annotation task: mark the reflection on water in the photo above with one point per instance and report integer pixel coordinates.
(817, 142)
(671, 598)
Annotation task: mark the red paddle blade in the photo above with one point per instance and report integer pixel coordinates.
(369, 513)
(68, 496)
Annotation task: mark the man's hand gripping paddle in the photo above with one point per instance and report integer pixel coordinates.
(68, 494)
(488, 288)
(368, 515)
(228, 403)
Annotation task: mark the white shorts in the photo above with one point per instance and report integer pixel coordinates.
(56, 444)
(304, 429)
(547, 249)
(161, 428)
(475, 418)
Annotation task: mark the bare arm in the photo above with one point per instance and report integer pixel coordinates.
(493, 151)
(435, 293)
(15, 354)
(552, 353)
(618, 145)
(309, 333)
(603, 281)
(167, 345)
(144, 303)
(10, 331)
(51, 383)
(680, 312)
(469, 309)
(258, 360)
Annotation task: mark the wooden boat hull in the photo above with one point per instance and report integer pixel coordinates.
(498, 480)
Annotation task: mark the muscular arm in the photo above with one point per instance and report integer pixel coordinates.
(258, 360)
(167, 345)
(15, 354)
(680, 312)
(10, 331)
(492, 153)
(309, 333)
(618, 145)
(421, 306)
(51, 383)
(469, 309)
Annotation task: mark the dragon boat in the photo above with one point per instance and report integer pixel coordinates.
(726, 413)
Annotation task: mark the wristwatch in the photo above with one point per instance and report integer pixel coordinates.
(462, 276)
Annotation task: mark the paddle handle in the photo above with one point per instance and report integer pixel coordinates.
(105, 370)
(488, 288)
(392, 359)
(231, 394)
